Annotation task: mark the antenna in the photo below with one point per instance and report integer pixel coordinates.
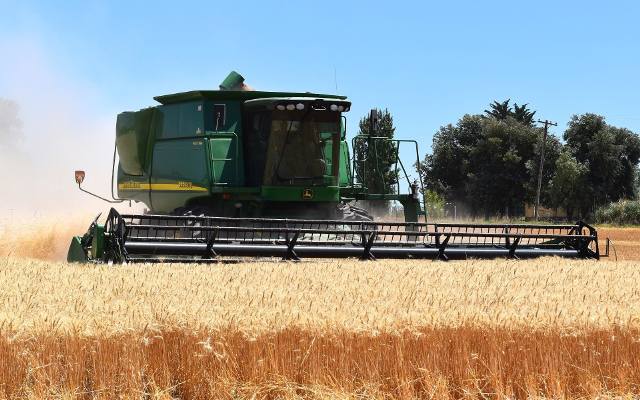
(335, 78)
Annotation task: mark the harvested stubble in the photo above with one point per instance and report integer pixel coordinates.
(546, 328)
(625, 242)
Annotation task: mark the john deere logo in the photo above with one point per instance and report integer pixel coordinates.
(307, 194)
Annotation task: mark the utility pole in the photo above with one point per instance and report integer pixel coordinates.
(546, 123)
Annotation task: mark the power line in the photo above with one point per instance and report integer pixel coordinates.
(546, 123)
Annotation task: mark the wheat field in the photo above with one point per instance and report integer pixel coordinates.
(546, 328)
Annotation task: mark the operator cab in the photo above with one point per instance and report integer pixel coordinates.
(293, 141)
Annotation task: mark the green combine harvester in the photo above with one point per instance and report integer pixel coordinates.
(234, 173)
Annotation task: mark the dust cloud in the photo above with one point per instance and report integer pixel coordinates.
(50, 125)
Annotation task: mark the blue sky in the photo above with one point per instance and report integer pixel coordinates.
(428, 62)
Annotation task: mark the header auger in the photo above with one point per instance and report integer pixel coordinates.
(235, 173)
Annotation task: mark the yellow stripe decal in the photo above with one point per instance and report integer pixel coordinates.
(178, 186)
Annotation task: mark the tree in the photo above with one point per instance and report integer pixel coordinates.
(498, 176)
(10, 124)
(610, 154)
(489, 165)
(552, 151)
(522, 114)
(569, 188)
(502, 110)
(435, 204)
(375, 159)
(445, 170)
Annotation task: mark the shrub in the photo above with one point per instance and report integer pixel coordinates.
(623, 212)
(435, 204)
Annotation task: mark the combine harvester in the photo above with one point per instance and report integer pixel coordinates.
(236, 173)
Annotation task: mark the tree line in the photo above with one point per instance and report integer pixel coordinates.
(487, 163)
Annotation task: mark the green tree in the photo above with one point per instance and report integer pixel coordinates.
(569, 188)
(489, 165)
(502, 110)
(375, 159)
(499, 173)
(445, 170)
(435, 204)
(611, 155)
(499, 110)
(523, 114)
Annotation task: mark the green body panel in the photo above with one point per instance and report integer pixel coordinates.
(224, 152)
(133, 187)
(295, 193)
(345, 177)
(237, 192)
(180, 172)
(97, 243)
(182, 160)
(232, 121)
(180, 120)
(76, 251)
(133, 130)
(94, 249)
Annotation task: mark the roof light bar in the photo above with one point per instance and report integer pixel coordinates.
(318, 105)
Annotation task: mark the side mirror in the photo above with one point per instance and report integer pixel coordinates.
(79, 177)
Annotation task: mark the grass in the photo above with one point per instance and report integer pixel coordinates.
(546, 328)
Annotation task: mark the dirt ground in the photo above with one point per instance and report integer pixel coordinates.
(624, 242)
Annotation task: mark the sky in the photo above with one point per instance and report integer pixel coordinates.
(72, 66)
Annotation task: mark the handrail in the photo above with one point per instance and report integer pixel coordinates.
(395, 164)
(237, 157)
